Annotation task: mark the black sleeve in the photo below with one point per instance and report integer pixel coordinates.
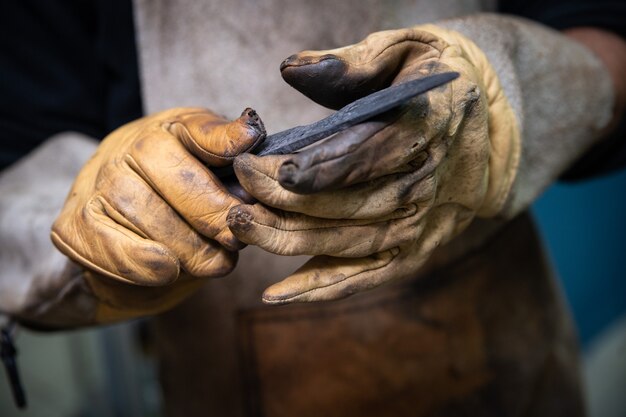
(563, 14)
(65, 65)
(610, 15)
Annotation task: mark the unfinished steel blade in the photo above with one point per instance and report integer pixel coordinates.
(296, 138)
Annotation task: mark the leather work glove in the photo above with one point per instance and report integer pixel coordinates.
(147, 218)
(373, 202)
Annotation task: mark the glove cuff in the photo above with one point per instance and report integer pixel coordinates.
(118, 301)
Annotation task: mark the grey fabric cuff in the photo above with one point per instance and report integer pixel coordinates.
(561, 93)
(38, 284)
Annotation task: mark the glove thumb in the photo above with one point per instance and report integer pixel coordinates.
(334, 78)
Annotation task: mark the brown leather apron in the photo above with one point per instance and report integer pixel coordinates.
(486, 335)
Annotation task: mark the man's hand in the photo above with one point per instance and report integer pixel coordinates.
(373, 202)
(146, 211)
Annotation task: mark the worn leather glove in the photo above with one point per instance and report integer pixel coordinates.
(146, 211)
(373, 202)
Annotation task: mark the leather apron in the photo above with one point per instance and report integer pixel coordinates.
(481, 331)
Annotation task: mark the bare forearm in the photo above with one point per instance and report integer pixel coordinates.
(611, 50)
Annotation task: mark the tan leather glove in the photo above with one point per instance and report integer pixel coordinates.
(373, 202)
(146, 211)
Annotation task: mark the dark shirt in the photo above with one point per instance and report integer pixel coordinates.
(72, 65)
(64, 65)
(564, 14)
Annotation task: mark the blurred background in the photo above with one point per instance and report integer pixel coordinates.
(108, 372)
(584, 229)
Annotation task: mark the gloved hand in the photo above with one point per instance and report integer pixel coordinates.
(145, 211)
(373, 202)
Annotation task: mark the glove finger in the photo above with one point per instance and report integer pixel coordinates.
(328, 278)
(369, 200)
(215, 140)
(286, 233)
(101, 244)
(334, 78)
(366, 152)
(187, 185)
(132, 203)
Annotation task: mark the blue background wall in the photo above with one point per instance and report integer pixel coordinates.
(584, 227)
